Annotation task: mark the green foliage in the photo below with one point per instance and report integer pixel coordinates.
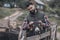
(6, 12)
(22, 4)
(19, 3)
(21, 18)
(58, 29)
(55, 6)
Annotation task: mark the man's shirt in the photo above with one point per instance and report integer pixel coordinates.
(36, 18)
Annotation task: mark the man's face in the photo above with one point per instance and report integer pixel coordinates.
(31, 7)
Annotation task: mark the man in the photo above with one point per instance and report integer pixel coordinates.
(35, 17)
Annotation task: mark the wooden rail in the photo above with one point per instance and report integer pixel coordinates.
(44, 35)
(37, 37)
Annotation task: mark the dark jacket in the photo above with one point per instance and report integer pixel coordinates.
(35, 18)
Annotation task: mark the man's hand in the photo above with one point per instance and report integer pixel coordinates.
(31, 23)
(41, 23)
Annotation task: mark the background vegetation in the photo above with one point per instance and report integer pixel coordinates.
(6, 12)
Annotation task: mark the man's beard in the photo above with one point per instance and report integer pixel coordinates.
(32, 12)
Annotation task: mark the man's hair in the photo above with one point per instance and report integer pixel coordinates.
(28, 3)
